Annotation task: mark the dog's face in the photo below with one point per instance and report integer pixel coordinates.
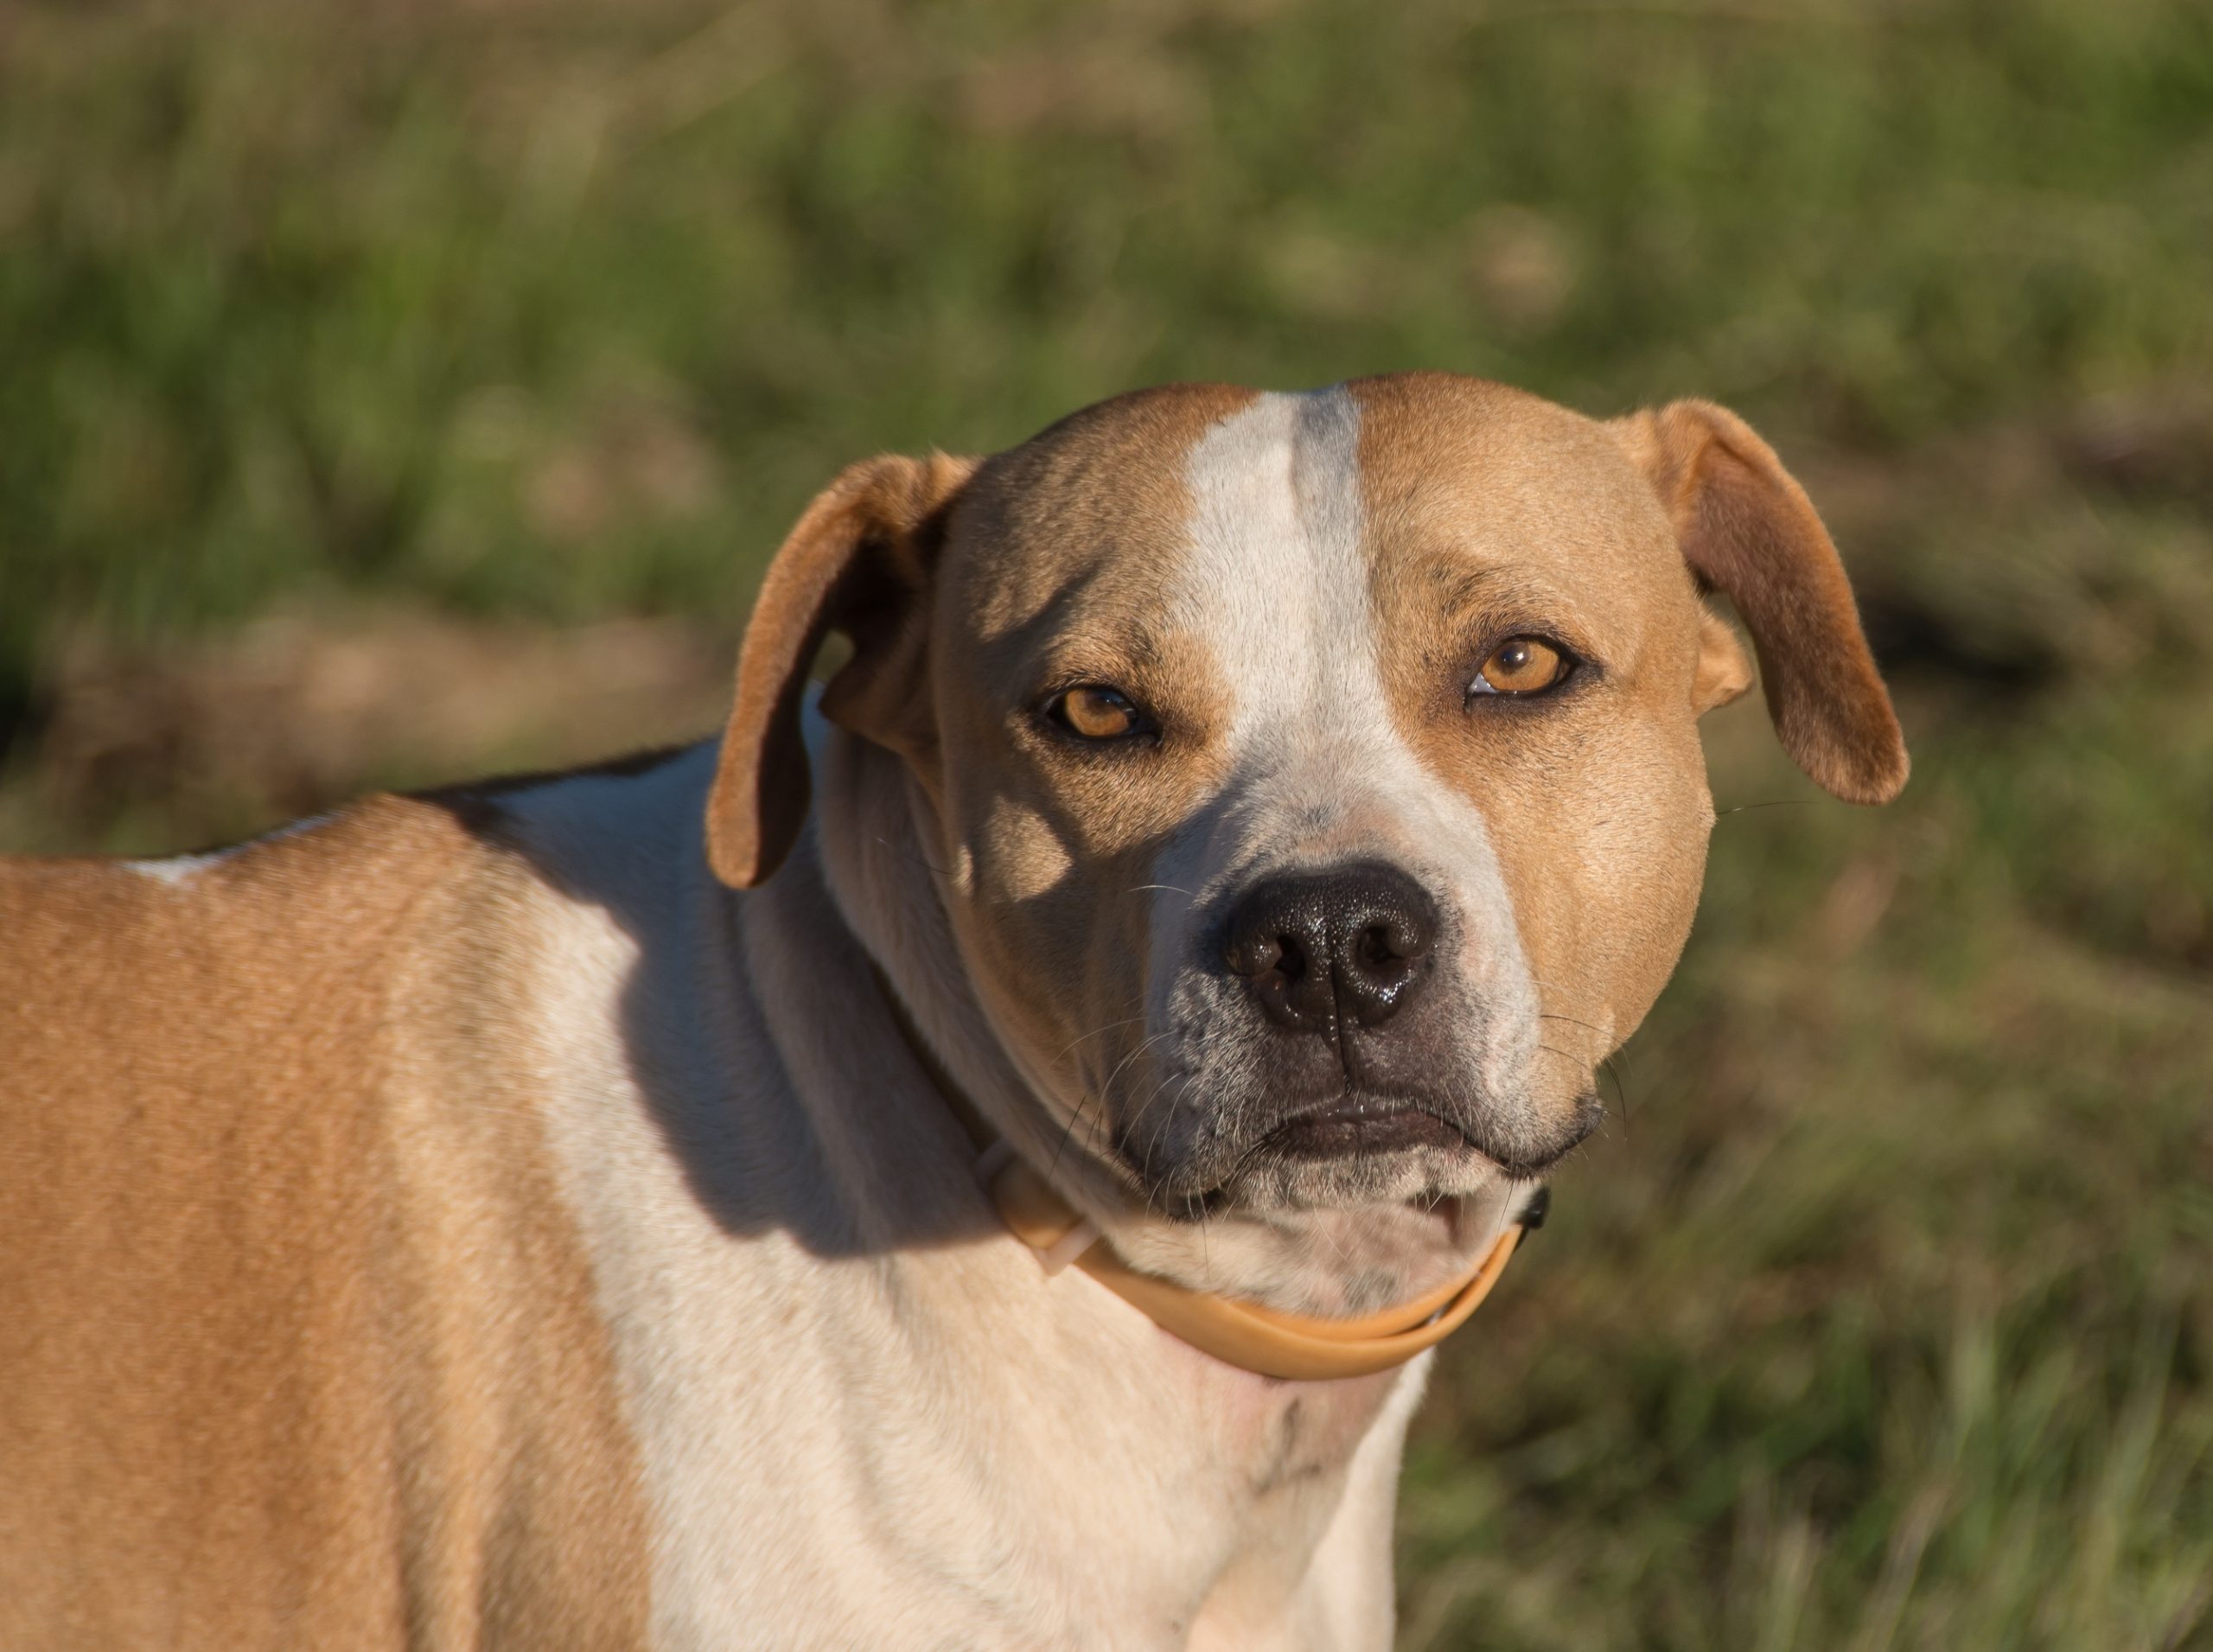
(1301, 756)
(1316, 778)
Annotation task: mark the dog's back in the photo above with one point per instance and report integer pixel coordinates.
(261, 1381)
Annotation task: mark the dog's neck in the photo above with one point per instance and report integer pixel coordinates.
(884, 871)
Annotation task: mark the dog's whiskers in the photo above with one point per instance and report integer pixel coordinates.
(917, 856)
(1621, 1090)
(1776, 803)
(1095, 1032)
(1161, 1128)
(1106, 1092)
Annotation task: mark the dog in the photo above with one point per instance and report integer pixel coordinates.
(547, 1213)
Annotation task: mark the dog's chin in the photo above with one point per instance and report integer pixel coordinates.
(1419, 1171)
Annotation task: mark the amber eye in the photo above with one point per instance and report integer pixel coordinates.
(1520, 666)
(1096, 713)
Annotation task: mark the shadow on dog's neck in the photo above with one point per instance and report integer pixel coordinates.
(884, 874)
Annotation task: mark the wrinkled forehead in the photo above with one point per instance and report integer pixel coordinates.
(1161, 504)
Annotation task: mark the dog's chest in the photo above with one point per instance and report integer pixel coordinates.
(1271, 1435)
(839, 1435)
(849, 1442)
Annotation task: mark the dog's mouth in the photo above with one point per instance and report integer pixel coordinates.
(1356, 1123)
(1358, 1132)
(1360, 1124)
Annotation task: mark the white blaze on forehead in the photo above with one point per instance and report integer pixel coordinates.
(1276, 579)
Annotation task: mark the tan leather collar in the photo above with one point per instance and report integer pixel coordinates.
(1299, 1347)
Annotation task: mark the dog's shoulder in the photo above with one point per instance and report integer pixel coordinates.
(309, 937)
(278, 1195)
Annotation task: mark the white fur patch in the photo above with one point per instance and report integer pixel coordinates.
(177, 871)
(847, 1441)
(1278, 580)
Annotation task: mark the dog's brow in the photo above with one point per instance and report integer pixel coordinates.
(1107, 649)
(1459, 585)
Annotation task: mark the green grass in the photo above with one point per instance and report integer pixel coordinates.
(1880, 1319)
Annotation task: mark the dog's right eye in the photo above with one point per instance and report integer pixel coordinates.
(1092, 711)
(1520, 667)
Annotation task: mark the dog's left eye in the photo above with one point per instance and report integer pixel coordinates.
(1092, 711)
(1523, 666)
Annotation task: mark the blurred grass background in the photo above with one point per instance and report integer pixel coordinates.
(390, 393)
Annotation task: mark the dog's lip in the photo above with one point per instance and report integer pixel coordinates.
(1372, 1122)
(1357, 1123)
(1365, 1113)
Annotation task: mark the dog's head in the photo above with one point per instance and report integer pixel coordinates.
(1313, 780)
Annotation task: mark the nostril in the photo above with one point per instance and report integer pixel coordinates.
(1254, 954)
(1377, 952)
(1389, 942)
(1407, 937)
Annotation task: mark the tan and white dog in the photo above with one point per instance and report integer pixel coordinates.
(518, 1215)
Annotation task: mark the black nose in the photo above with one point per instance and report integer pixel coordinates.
(1318, 949)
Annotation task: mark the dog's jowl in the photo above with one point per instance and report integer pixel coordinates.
(976, 1158)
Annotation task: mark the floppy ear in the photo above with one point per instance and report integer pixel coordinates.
(1748, 529)
(860, 562)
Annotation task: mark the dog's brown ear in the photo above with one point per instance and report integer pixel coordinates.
(1748, 529)
(859, 562)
